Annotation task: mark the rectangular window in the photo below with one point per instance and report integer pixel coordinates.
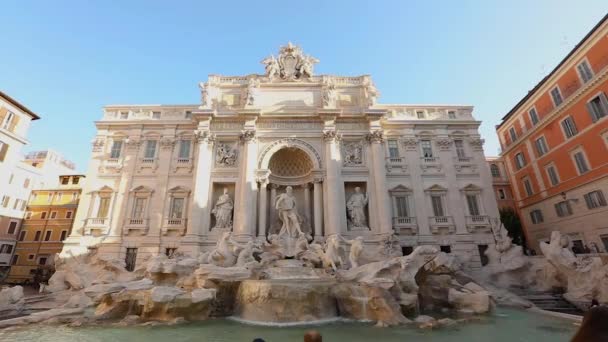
(64, 235)
(5, 200)
(177, 207)
(188, 115)
(420, 114)
(451, 114)
(75, 180)
(124, 115)
(138, 208)
(68, 214)
(58, 196)
(26, 183)
(116, 149)
(563, 208)
(65, 180)
(427, 149)
(520, 160)
(552, 173)
(30, 257)
(49, 198)
(43, 215)
(437, 205)
(12, 227)
(513, 134)
(536, 216)
(569, 127)
(528, 187)
(6, 249)
(104, 205)
(393, 149)
(37, 236)
(42, 261)
(22, 235)
(7, 121)
(10, 178)
(150, 149)
(581, 162)
(402, 209)
(15, 259)
(47, 235)
(28, 215)
(3, 150)
(16, 204)
(495, 170)
(595, 199)
(184, 149)
(473, 205)
(556, 95)
(533, 116)
(53, 214)
(460, 152)
(501, 194)
(155, 115)
(584, 70)
(541, 146)
(598, 107)
(74, 196)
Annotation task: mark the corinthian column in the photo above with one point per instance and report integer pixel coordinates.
(335, 218)
(318, 208)
(263, 206)
(245, 204)
(199, 222)
(381, 207)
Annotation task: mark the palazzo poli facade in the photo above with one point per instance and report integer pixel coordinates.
(175, 178)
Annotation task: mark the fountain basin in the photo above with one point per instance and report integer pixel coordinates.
(285, 301)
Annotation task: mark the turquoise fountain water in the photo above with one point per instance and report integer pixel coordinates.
(503, 325)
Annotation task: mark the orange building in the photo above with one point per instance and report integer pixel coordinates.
(501, 183)
(555, 147)
(48, 222)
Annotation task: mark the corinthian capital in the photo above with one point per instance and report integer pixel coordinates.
(247, 135)
(204, 136)
(331, 135)
(376, 136)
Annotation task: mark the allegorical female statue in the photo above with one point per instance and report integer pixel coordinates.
(356, 209)
(223, 211)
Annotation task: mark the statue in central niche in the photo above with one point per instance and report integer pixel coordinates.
(288, 214)
(356, 209)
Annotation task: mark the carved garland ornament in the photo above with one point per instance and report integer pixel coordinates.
(410, 144)
(247, 135)
(477, 143)
(167, 143)
(132, 144)
(444, 144)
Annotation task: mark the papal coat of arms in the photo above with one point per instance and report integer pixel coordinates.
(290, 65)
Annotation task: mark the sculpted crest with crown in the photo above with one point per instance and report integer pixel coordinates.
(291, 64)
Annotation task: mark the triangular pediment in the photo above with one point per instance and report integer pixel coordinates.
(142, 188)
(471, 187)
(180, 189)
(400, 188)
(436, 187)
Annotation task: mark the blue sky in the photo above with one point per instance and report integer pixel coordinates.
(67, 59)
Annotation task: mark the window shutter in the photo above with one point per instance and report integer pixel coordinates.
(14, 123)
(594, 115)
(3, 151)
(588, 201)
(3, 112)
(602, 199)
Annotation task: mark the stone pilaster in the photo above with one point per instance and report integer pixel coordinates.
(335, 217)
(245, 205)
(200, 210)
(381, 203)
(318, 208)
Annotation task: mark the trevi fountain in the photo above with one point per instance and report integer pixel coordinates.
(255, 255)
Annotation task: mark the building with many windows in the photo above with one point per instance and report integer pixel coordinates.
(15, 178)
(48, 222)
(501, 183)
(555, 148)
(176, 177)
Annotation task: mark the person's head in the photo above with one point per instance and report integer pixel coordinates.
(313, 336)
(289, 190)
(225, 191)
(594, 327)
(357, 189)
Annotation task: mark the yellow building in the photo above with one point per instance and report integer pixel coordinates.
(48, 221)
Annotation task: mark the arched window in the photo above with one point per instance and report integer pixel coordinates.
(494, 170)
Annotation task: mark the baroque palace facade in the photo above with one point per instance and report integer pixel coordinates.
(174, 178)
